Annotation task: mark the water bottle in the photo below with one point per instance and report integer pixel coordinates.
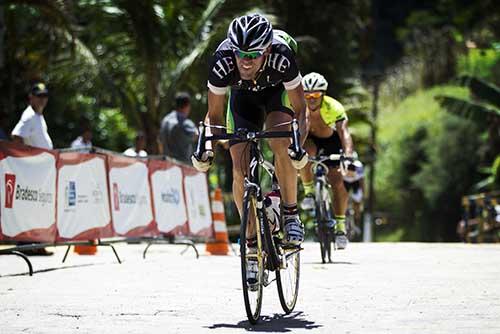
(272, 205)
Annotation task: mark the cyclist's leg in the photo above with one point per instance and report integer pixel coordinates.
(341, 195)
(239, 156)
(307, 177)
(357, 205)
(243, 111)
(285, 172)
(332, 145)
(279, 111)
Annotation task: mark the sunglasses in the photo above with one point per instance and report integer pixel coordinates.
(315, 95)
(248, 54)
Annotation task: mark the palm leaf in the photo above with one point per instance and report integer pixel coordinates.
(469, 109)
(483, 90)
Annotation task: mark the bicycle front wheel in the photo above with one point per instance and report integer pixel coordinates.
(322, 216)
(252, 259)
(287, 279)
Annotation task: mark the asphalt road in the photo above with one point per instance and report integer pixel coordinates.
(370, 288)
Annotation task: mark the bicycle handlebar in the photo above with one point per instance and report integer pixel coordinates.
(243, 135)
(320, 160)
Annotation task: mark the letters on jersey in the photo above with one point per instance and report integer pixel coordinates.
(279, 68)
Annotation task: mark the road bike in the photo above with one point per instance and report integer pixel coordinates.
(270, 253)
(323, 213)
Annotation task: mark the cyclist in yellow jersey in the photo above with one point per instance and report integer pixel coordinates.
(328, 132)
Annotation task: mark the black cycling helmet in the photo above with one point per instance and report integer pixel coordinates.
(250, 33)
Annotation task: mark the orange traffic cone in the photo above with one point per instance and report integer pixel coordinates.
(219, 246)
(86, 249)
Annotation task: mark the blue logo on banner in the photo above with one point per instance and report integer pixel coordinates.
(171, 196)
(71, 193)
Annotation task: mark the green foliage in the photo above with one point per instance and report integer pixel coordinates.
(479, 63)
(495, 171)
(430, 159)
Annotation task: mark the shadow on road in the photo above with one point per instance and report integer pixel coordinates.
(49, 269)
(280, 323)
(331, 263)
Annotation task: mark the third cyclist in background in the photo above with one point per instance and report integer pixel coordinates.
(354, 182)
(328, 131)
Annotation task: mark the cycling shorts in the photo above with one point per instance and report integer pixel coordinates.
(354, 188)
(330, 145)
(248, 109)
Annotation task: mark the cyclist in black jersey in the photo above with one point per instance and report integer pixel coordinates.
(256, 66)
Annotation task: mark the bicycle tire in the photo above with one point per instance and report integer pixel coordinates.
(324, 235)
(253, 299)
(287, 281)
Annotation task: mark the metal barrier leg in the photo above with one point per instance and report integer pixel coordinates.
(66, 254)
(188, 244)
(25, 258)
(146, 250)
(99, 243)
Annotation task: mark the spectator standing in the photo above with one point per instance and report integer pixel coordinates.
(85, 140)
(178, 133)
(138, 150)
(31, 128)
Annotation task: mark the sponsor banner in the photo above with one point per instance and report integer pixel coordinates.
(83, 210)
(131, 205)
(27, 193)
(168, 197)
(197, 203)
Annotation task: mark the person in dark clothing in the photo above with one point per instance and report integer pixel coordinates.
(178, 133)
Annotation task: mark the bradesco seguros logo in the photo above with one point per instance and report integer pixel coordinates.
(10, 186)
(23, 193)
(120, 197)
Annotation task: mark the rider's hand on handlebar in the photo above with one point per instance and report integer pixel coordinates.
(203, 163)
(299, 159)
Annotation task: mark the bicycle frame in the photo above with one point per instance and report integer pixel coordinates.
(252, 180)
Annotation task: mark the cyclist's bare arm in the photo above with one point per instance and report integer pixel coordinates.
(215, 114)
(345, 136)
(296, 97)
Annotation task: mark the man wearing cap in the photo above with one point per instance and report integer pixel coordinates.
(31, 128)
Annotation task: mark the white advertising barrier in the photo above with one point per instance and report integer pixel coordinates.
(198, 203)
(131, 204)
(27, 193)
(83, 210)
(168, 197)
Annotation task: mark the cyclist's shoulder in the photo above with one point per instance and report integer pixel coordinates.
(283, 43)
(222, 65)
(331, 104)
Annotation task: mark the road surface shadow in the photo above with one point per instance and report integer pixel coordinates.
(279, 323)
(331, 263)
(49, 269)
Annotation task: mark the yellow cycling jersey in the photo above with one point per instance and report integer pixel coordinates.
(332, 111)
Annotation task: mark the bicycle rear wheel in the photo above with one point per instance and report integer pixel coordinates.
(252, 291)
(288, 278)
(322, 215)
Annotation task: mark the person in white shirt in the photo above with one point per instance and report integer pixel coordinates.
(85, 140)
(31, 128)
(138, 149)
